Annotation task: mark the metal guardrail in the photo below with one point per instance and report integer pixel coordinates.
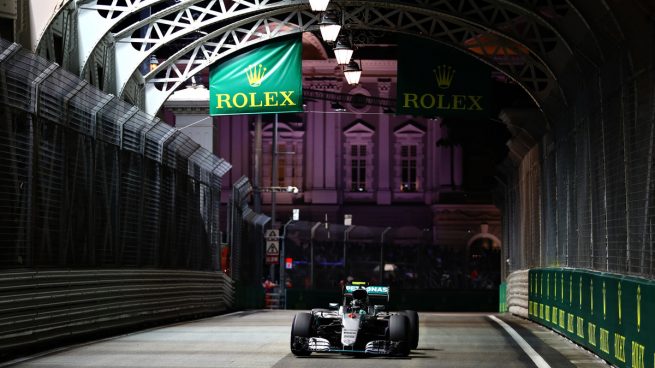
(41, 307)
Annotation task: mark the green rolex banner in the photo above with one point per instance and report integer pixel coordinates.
(267, 79)
(437, 80)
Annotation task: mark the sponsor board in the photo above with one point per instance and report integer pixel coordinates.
(609, 314)
(267, 79)
(371, 290)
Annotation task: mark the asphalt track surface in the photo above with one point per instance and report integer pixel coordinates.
(255, 339)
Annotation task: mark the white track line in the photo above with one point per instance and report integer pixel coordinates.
(536, 358)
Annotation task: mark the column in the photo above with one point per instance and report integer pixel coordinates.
(322, 138)
(384, 161)
(432, 161)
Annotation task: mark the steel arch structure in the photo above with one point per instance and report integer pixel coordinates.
(536, 78)
(574, 58)
(518, 38)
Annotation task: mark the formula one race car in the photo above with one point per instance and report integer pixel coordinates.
(356, 326)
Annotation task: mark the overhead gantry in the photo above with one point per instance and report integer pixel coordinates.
(522, 39)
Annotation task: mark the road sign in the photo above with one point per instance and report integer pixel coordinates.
(272, 248)
(272, 234)
(272, 260)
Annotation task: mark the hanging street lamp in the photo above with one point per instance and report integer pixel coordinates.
(319, 5)
(153, 62)
(329, 27)
(343, 51)
(352, 72)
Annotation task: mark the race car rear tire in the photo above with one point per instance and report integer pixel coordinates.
(412, 316)
(399, 332)
(301, 327)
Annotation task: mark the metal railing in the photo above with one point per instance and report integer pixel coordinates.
(41, 308)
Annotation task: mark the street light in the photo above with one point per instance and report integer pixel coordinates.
(329, 27)
(288, 189)
(311, 253)
(352, 72)
(382, 253)
(319, 5)
(153, 62)
(343, 51)
(345, 241)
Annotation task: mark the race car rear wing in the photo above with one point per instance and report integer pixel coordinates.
(371, 290)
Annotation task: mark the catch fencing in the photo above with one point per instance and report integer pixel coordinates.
(584, 197)
(109, 219)
(326, 255)
(90, 181)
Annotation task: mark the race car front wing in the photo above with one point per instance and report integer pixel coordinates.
(321, 345)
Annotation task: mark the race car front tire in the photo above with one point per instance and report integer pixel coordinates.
(412, 318)
(399, 333)
(301, 327)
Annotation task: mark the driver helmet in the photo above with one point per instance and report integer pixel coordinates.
(356, 304)
(360, 299)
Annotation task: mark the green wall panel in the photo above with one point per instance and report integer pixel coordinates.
(502, 298)
(610, 314)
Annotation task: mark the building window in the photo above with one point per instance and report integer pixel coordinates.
(408, 162)
(281, 165)
(289, 159)
(409, 158)
(358, 157)
(358, 149)
(358, 100)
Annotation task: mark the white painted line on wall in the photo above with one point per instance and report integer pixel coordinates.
(532, 354)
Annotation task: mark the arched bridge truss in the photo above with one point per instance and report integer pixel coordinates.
(520, 38)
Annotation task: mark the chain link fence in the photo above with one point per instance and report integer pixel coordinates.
(91, 181)
(584, 197)
(325, 255)
(246, 235)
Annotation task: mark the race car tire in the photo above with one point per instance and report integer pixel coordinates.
(301, 327)
(399, 332)
(412, 316)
